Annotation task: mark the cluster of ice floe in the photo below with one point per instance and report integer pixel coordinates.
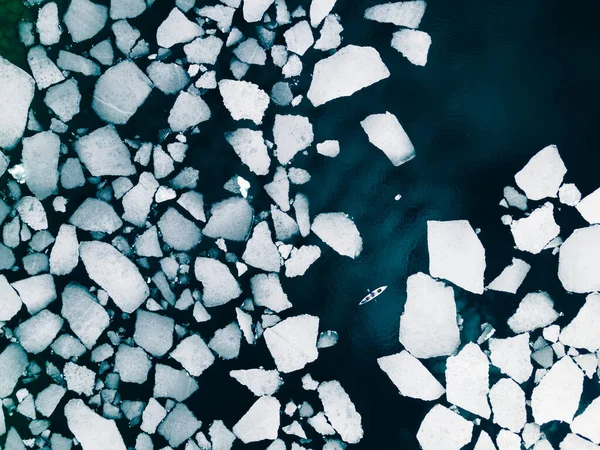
(533, 376)
(112, 260)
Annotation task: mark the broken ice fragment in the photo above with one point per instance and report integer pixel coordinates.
(456, 254)
(339, 232)
(542, 175)
(169, 78)
(138, 201)
(589, 207)
(573, 442)
(267, 292)
(84, 19)
(36, 292)
(44, 71)
(16, 93)
(146, 244)
(120, 91)
(536, 310)
(254, 10)
(96, 215)
(250, 146)
(586, 423)
(132, 364)
(179, 425)
(511, 277)
(532, 233)
(178, 232)
(329, 148)
(63, 99)
(219, 286)
(484, 442)
(226, 341)
(582, 331)
(293, 342)
(85, 316)
(116, 274)
(259, 381)
(319, 9)
(405, 14)
(512, 356)
(65, 252)
(38, 332)
(176, 29)
(442, 428)
(299, 38)
(244, 100)
(47, 24)
(568, 194)
(347, 71)
(410, 376)
(193, 354)
(93, 432)
(153, 332)
(13, 362)
(428, 325)
(579, 261)
(508, 405)
(230, 219)
(414, 45)
(279, 189)
(260, 422)
(260, 251)
(292, 134)
(40, 162)
(340, 411)
(103, 153)
(10, 302)
(330, 34)
(172, 383)
(188, 111)
(32, 213)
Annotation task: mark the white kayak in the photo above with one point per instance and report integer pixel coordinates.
(372, 295)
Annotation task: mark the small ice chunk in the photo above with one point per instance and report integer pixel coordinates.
(13, 363)
(48, 399)
(120, 91)
(511, 277)
(404, 14)
(536, 310)
(125, 36)
(32, 213)
(532, 233)
(36, 292)
(589, 207)
(193, 203)
(114, 273)
(320, 424)
(586, 423)
(508, 440)
(260, 422)
(339, 232)
(301, 259)
(172, 383)
(410, 376)
(93, 432)
(512, 356)
(47, 24)
(16, 93)
(279, 189)
(428, 325)
(188, 111)
(126, 9)
(319, 9)
(153, 415)
(385, 132)
(340, 411)
(301, 208)
(132, 364)
(65, 252)
(220, 436)
(568, 194)
(250, 146)
(582, 331)
(442, 428)
(96, 215)
(345, 72)
(63, 99)
(169, 78)
(221, 14)
(38, 332)
(456, 254)
(85, 316)
(260, 381)
(230, 219)
(179, 425)
(293, 342)
(153, 332)
(226, 341)
(267, 292)
(329, 148)
(557, 395)
(514, 198)
(292, 134)
(75, 63)
(330, 34)
(178, 232)
(260, 251)
(299, 38)
(177, 29)
(285, 227)
(250, 52)
(103, 153)
(10, 302)
(254, 10)
(413, 44)
(467, 380)
(147, 245)
(579, 260)
(80, 379)
(84, 19)
(484, 442)
(508, 405)
(138, 201)
(244, 100)
(40, 162)
(203, 50)
(298, 176)
(574, 442)
(542, 175)
(193, 354)
(219, 285)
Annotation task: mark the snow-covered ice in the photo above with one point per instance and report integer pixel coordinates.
(152, 416)
(179, 425)
(226, 341)
(339, 232)
(63, 99)
(132, 364)
(178, 232)
(259, 381)
(188, 111)
(583, 331)
(153, 332)
(511, 278)
(508, 405)
(31, 211)
(230, 219)
(444, 429)
(574, 442)
(260, 422)
(261, 252)
(203, 50)
(319, 9)
(413, 44)
(299, 38)
(13, 362)
(568, 194)
(579, 261)
(589, 207)
(173, 383)
(40, 161)
(193, 354)
(542, 175)
(244, 100)
(219, 285)
(340, 411)
(177, 29)
(385, 132)
(96, 215)
(405, 14)
(254, 10)
(84, 19)
(168, 78)
(85, 316)
(512, 356)
(250, 146)
(301, 259)
(267, 292)
(36, 292)
(10, 302)
(93, 431)
(534, 232)
(293, 342)
(586, 423)
(16, 93)
(536, 310)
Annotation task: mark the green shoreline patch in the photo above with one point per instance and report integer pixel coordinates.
(11, 12)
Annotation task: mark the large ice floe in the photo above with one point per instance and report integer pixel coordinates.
(125, 281)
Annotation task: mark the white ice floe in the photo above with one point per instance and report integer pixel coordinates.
(428, 325)
(405, 14)
(230, 219)
(173, 383)
(193, 354)
(13, 362)
(36, 292)
(514, 198)
(267, 292)
(177, 29)
(226, 341)
(96, 215)
(484, 442)
(456, 254)
(293, 342)
(40, 161)
(583, 331)
(179, 425)
(586, 423)
(569, 195)
(250, 146)
(153, 332)
(444, 429)
(168, 78)
(48, 399)
(279, 189)
(219, 285)
(203, 50)
(178, 232)
(319, 9)
(147, 244)
(534, 232)
(31, 211)
(71, 174)
(16, 93)
(536, 310)
(301, 259)
(579, 261)
(76, 63)
(574, 442)
(152, 416)
(261, 252)
(329, 148)
(188, 111)
(347, 71)
(37, 333)
(542, 175)
(589, 207)
(120, 91)
(47, 24)
(340, 411)
(10, 302)
(132, 364)
(299, 38)
(85, 316)
(512, 356)
(116, 274)
(467, 380)
(414, 45)
(511, 278)
(301, 208)
(507, 440)
(84, 19)
(138, 201)
(93, 431)
(63, 99)
(244, 100)
(508, 405)
(250, 52)
(410, 376)
(126, 9)
(327, 339)
(292, 134)
(339, 232)
(259, 381)
(557, 395)
(79, 379)
(220, 436)
(330, 34)
(260, 422)
(385, 132)
(193, 203)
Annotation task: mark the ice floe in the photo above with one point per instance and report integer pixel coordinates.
(385, 132)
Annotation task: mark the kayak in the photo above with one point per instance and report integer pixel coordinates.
(372, 295)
